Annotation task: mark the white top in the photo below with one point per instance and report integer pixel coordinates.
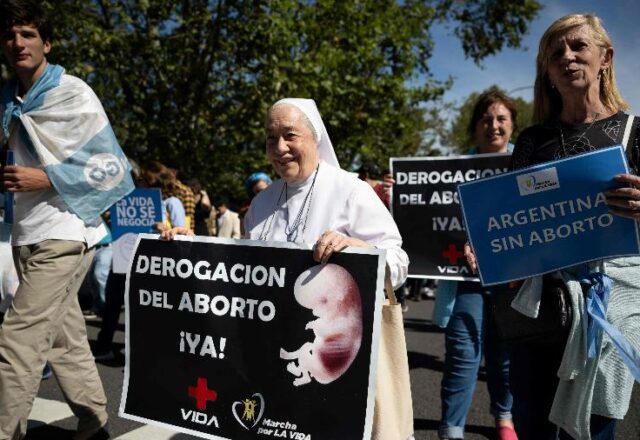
(43, 215)
(339, 202)
(220, 217)
(8, 277)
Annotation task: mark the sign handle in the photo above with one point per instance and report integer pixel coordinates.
(8, 196)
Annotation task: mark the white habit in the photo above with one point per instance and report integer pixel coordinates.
(340, 202)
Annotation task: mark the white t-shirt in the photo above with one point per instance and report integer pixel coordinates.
(8, 277)
(43, 215)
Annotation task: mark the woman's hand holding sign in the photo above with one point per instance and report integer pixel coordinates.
(625, 202)
(170, 234)
(471, 257)
(331, 242)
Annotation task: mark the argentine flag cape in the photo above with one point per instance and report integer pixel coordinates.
(64, 125)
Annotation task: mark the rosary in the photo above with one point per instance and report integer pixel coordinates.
(301, 217)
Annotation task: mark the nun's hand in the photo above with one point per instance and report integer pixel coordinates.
(331, 242)
(169, 234)
(625, 202)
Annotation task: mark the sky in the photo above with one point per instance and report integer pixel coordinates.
(513, 70)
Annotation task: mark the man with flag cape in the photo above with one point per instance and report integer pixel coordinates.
(68, 169)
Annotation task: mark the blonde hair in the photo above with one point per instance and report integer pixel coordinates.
(547, 102)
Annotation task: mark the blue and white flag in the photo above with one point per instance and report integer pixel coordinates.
(66, 126)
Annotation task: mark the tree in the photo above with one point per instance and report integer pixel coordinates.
(458, 136)
(188, 82)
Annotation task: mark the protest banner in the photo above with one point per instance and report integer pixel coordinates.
(122, 251)
(239, 339)
(426, 209)
(547, 217)
(136, 213)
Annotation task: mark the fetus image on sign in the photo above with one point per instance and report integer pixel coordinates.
(334, 297)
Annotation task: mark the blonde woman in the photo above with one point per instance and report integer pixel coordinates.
(559, 391)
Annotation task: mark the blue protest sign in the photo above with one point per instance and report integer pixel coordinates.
(547, 217)
(137, 212)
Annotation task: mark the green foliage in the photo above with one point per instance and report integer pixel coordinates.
(188, 82)
(458, 136)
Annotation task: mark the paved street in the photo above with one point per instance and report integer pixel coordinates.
(426, 355)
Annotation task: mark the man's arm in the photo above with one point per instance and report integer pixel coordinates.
(21, 179)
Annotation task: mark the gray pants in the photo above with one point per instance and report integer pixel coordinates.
(44, 323)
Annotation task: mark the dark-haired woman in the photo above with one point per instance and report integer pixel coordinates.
(464, 307)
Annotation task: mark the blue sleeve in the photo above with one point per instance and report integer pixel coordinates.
(445, 299)
(177, 216)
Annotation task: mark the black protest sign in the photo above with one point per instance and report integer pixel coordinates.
(427, 211)
(238, 339)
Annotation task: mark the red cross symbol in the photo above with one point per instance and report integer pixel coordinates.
(452, 253)
(202, 394)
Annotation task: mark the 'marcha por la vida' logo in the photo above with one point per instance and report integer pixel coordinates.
(249, 411)
(538, 181)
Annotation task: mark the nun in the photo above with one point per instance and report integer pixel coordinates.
(315, 202)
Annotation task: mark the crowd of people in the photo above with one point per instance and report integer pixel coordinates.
(539, 390)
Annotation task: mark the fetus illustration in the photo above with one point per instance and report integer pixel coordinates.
(333, 296)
